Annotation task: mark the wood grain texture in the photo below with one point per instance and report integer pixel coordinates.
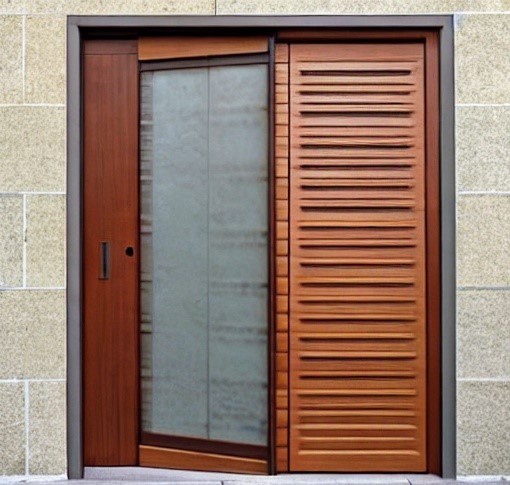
(181, 47)
(282, 253)
(156, 457)
(357, 297)
(110, 209)
(433, 203)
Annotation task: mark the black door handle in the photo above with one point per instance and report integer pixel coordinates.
(104, 261)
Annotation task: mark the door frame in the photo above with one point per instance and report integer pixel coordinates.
(97, 26)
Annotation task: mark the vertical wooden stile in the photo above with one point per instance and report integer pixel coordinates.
(282, 253)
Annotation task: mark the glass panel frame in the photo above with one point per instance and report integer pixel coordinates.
(222, 446)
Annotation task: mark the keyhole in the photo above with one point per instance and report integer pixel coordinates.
(130, 251)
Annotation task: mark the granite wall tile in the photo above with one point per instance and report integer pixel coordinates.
(483, 147)
(13, 333)
(12, 6)
(45, 341)
(47, 430)
(11, 241)
(32, 334)
(120, 7)
(483, 415)
(482, 43)
(358, 6)
(12, 428)
(32, 148)
(11, 67)
(483, 334)
(483, 240)
(45, 59)
(45, 236)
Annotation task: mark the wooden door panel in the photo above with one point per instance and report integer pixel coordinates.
(357, 258)
(110, 208)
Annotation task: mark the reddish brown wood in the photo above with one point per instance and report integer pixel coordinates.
(314, 35)
(110, 210)
(433, 198)
(110, 47)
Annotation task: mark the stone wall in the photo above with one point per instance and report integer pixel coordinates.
(32, 215)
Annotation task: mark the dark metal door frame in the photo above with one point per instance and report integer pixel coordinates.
(130, 26)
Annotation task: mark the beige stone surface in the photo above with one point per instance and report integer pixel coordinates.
(117, 7)
(47, 430)
(45, 341)
(12, 6)
(32, 330)
(45, 236)
(11, 74)
(45, 59)
(12, 428)
(32, 148)
(483, 147)
(12, 335)
(482, 44)
(358, 6)
(483, 334)
(483, 240)
(483, 436)
(11, 241)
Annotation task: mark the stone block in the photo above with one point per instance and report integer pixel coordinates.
(12, 428)
(47, 430)
(11, 71)
(45, 241)
(483, 334)
(483, 240)
(32, 343)
(483, 148)
(45, 59)
(11, 241)
(483, 415)
(32, 149)
(337, 7)
(482, 63)
(120, 7)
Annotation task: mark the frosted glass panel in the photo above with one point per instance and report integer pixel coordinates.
(204, 253)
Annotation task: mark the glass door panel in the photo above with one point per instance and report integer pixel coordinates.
(204, 225)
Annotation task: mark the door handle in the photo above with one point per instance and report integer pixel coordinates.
(104, 260)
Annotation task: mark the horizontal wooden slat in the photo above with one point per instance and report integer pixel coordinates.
(180, 47)
(153, 456)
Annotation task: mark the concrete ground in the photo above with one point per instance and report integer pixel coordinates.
(152, 476)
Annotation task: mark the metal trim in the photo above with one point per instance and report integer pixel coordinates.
(448, 255)
(74, 256)
(77, 26)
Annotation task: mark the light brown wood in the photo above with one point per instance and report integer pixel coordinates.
(153, 456)
(357, 296)
(282, 261)
(110, 210)
(181, 47)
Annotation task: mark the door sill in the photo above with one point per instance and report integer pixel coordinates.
(143, 474)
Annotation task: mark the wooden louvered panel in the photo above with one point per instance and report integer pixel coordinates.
(357, 258)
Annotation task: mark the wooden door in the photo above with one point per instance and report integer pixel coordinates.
(357, 302)
(110, 267)
(175, 255)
